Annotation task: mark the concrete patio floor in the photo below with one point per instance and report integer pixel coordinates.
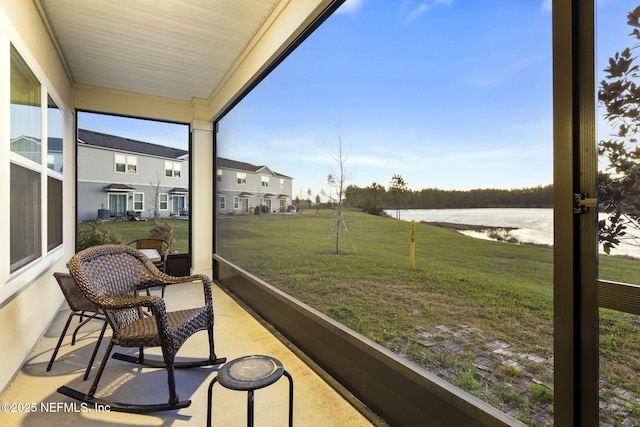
(33, 396)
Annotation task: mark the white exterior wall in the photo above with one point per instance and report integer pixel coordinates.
(29, 297)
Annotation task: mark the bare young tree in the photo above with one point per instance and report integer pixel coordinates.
(399, 189)
(339, 180)
(156, 196)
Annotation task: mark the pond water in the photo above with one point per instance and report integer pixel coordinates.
(530, 225)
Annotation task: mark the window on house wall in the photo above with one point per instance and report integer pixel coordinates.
(223, 202)
(236, 202)
(179, 205)
(241, 177)
(219, 175)
(138, 201)
(26, 168)
(132, 164)
(25, 240)
(54, 213)
(164, 201)
(395, 133)
(265, 181)
(55, 126)
(121, 163)
(118, 204)
(26, 110)
(172, 169)
(126, 164)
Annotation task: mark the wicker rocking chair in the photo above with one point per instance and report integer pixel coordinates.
(111, 276)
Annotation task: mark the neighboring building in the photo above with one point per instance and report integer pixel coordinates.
(120, 177)
(241, 187)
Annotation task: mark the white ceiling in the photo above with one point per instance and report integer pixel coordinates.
(174, 48)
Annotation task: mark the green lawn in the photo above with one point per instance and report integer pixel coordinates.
(127, 231)
(483, 290)
(456, 279)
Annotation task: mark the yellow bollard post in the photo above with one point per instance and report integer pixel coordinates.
(412, 245)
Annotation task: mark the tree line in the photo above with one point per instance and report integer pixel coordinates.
(375, 198)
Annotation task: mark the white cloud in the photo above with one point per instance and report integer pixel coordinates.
(351, 6)
(415, 12)
(546, 6)
(423, 7)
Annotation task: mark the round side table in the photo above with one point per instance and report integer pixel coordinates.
(250, 373)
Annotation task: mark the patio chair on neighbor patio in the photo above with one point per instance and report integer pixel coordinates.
(82, 307)
(159, 245)
(111, 277)
(159, 258)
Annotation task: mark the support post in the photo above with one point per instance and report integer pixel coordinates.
(412, 245)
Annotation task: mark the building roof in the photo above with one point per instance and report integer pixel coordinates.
(118, 187)
(118, 143)
(244, 166)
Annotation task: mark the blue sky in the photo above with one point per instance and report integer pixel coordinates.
(449, 94)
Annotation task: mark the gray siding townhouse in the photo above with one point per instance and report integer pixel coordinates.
(119, 178)
(243, 187)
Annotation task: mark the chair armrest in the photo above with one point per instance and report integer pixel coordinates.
(162, 279)
(206, 285)
(158, 278)
(130, 302)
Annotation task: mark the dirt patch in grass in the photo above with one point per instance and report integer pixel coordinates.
(516, 382)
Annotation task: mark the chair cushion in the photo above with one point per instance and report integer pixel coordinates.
(182, 324)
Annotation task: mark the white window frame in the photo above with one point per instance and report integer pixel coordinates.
(164, 202)
(241, 178)
(29, 164)
(172, 169)
(135, 201)
(128, 162)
